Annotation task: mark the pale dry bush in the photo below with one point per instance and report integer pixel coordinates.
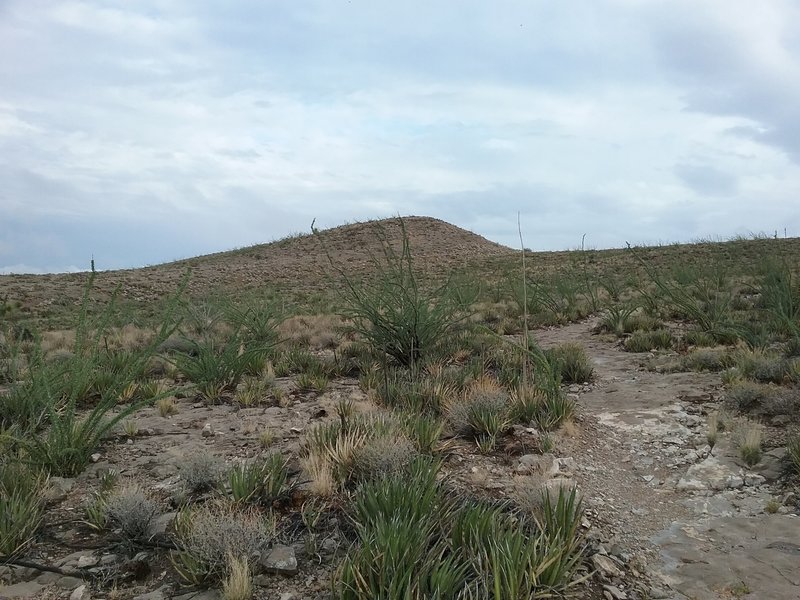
(53, 341)
(218, 530)
(129, 337)
(382, 456)
(201, 471)
(319, 470)
(316, 331)
(133, 511)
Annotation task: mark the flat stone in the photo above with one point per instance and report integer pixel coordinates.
(28, 589)
(69, 583)
(58, 489)
(606, 566)
(282, 560)
(80, 593)
(615, 592)
(84, 562)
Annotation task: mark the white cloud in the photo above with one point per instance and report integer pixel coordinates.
(662, 120)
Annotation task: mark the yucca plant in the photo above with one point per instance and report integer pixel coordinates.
(216, 368)
(572, 362)
(258, 481)
(69, 438)
(22, 506)
(394, 313)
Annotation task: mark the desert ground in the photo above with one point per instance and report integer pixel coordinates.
(403, 409)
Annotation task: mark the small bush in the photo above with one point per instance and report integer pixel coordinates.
(750, 446)
(21, 506)
(133, 512)
(384, 456)
(705, 359)
(793, 450)
(701, 339)
(480, 414)
(200, 471)
(645, 341)
(748, 396)
(572, 362)
(210, 535)
(555, 409)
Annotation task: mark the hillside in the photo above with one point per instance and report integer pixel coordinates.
(297, 269)
(298, 263)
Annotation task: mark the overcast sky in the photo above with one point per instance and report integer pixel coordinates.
(142, 132)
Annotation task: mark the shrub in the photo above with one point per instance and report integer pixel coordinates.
(210, 535)
(645, 341)
(750, 446)
(747, 396)
(572, 362)
(200, 471)
(479, 414)
(133, 512)
(694, 337)
(21, 506)
(397, 315)
(705, 359)
(383, 456)
(793, 450)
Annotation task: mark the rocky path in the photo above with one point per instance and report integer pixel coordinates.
(680, 521)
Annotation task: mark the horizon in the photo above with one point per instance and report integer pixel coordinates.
(751, 236)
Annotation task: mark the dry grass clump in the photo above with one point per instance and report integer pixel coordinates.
(482, 415)
(750, 445)
(167, 406)
(706, 359)
(238, 584)
(645, 341)
(318, 332)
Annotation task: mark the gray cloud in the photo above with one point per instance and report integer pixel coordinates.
(158, 130)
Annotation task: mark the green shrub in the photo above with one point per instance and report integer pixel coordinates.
(482, 414)
(572, 362)
(747, 396)
(702, 339)
(706, 359)
(215, 368)
(258, 481)
(645, 341)
(21, 506)
(396, 314)
(793, 451)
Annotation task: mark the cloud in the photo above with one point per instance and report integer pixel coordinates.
(157, 130)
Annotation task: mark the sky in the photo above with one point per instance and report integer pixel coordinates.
(146, 131)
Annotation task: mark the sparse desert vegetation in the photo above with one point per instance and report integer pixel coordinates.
(375, 420)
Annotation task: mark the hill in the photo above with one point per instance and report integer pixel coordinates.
(297, 265)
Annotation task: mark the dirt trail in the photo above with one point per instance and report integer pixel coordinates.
(661, 505)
